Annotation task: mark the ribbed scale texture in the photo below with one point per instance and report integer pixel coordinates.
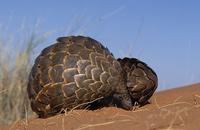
(73, 71)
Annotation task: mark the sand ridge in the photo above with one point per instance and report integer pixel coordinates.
(174, 109)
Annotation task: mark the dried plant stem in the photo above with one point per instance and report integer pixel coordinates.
(101, 124)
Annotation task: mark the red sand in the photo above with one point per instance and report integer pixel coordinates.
(175, 109)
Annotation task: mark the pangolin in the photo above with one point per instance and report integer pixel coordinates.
(77, 71)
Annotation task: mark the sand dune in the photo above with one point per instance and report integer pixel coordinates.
(175, 109)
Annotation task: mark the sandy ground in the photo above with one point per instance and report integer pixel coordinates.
(175, 109)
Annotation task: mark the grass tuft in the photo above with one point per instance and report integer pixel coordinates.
(16, 55)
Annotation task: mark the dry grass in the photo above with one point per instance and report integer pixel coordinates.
(15, 63)
(87, 126)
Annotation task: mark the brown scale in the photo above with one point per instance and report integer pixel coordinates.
(67, 72)
(141, 80)
(79, 70)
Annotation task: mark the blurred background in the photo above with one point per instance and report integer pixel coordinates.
(164, 34)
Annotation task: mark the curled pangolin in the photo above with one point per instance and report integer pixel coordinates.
(77, 70)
